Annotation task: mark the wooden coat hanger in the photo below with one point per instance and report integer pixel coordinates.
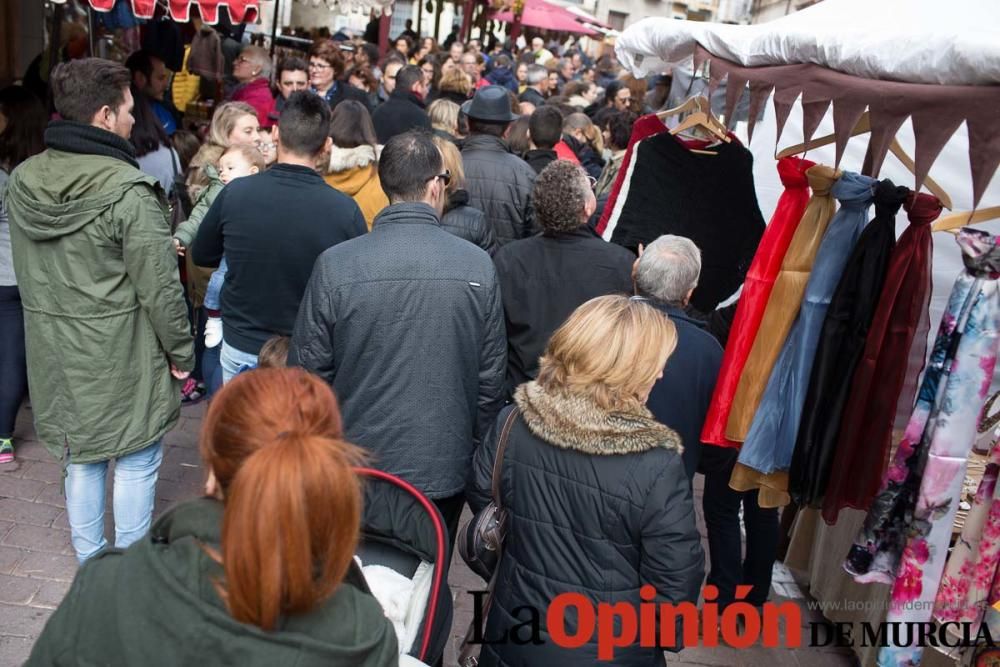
(955, 221)
(702, 119)
(864, 126)
(698, 103)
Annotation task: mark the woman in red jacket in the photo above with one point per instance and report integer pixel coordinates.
(253, 70)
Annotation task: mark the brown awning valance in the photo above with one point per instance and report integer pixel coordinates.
(936, 110)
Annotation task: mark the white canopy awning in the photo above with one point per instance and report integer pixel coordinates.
(917, 41)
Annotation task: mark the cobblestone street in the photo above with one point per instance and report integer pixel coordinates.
(37, 562)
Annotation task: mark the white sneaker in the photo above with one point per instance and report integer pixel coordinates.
(213, 331)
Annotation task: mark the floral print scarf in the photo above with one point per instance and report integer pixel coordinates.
(904, 541)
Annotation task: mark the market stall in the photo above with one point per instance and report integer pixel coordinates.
(893, 83)
(180, 10)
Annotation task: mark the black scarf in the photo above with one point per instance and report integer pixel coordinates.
(73, 137)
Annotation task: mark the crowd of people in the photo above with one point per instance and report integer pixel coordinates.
(395, 253)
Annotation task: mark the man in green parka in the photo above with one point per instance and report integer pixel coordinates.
(106, 328)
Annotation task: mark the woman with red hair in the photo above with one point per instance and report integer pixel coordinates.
(259, 572)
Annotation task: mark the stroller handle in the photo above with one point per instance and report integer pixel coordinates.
(442, 543)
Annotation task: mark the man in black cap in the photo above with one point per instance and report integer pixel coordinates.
(499, 182)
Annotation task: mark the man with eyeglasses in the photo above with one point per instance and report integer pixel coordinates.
(617, 96)
(406, 324)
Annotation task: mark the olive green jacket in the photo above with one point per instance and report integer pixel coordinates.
(157, 603)
(104, 311)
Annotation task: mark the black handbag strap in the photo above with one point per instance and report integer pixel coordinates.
(501, 448)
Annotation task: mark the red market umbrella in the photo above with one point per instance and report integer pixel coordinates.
(541, 14)
(180, 10)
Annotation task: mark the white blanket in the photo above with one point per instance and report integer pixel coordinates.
(403, 600)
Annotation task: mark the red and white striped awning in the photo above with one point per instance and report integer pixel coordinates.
(180, 10)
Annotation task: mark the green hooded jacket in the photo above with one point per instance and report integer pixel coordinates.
(187, 230)
(104, 311)
(157, 604)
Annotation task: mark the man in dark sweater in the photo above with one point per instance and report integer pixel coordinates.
(271, 228)
(544, 278)
(406, 323)
(405, 108)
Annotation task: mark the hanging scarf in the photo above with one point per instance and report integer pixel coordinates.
(756, 289)
(783, 304)
(905, 538)
(866, 427)
(767, 452)
(840, 346)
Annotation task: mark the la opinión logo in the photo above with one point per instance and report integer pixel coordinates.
(651, 625)
(573, 620)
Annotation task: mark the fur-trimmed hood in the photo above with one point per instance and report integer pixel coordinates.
(343, 159)
(577, 422)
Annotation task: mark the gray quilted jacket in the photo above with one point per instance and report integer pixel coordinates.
(499, 185)
(406, 324)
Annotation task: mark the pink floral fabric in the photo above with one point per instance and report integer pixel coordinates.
(905, 537)
(971, 584)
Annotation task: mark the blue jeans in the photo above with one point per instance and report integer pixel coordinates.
(134, 495)
(215, 283)
(235, 362)
(211, 369)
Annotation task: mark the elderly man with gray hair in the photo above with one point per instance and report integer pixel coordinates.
(666, 274)
(538, 86)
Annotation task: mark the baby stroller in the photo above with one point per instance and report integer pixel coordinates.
(404, 556)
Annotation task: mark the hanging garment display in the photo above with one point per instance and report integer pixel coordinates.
(709, 199)
(783, 304)
(767, 452)
(971, 582)
(205, 57)
(840, 346)
(866, 426)
(644, 126)
(756, 290)
(906, 534)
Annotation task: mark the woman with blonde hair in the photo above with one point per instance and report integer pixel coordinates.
(260, 571)
(597, 500)
(234, 123)
(455, 86)
(444, 119)
(459, 218)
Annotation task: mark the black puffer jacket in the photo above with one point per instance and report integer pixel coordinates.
(499, 185)
(467, 222)
(599, 505)
(406, 323)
